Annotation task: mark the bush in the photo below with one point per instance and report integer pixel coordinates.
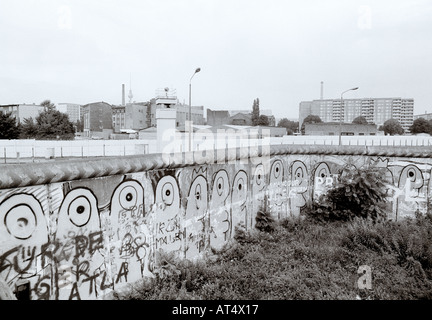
(408, 241)
(264, 220)
(360, 192)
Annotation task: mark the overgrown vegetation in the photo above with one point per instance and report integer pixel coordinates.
(316, 256)
(305, 259)
(359, 192)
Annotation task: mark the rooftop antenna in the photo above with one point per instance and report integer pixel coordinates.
(130, 89)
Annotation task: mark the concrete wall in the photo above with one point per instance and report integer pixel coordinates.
(30, 148)
(12, 149)
(80, 229)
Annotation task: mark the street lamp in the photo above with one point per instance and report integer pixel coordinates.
(190, 106)
(340, 117)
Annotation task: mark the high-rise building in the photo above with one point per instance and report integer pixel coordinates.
(375, 110)
(73, 110)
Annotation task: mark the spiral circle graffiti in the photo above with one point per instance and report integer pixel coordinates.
(276, 170)
(322, 171)
(259, 175)
(128, 197)
(219, 185)
(20, 221)
(167, 193)
(79, 211)
(20, 215)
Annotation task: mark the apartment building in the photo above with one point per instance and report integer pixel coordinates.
(97, 120)
(73, 110)
(375, 110)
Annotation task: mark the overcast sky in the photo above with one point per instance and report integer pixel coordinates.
(276, 50)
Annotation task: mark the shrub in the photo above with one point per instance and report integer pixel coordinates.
(264, 220)
(242, 235)
(408, 241)
(166, 264)
(359, 192)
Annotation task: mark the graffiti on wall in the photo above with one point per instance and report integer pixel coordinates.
(82, 239)
(196, 215)
(220, 209)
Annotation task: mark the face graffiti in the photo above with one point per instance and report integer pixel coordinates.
(196, 214)
(411, 178)
(409, 195)
(128, 238)
(169, 235)
(259, 186)
(23, 232)
(299, 184)
(277, 189)
(78, 255)
(239, 198)
(220, 217)
(322, 180)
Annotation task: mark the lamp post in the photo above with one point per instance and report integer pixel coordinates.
(340, 117)
(190, 108)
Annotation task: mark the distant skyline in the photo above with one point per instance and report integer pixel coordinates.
(279, 51)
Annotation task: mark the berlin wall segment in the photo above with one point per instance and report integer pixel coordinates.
(69, 232)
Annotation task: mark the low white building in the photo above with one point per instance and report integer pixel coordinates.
(22, 111)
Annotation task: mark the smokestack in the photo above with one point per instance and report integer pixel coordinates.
(123, 94)
(322, 90)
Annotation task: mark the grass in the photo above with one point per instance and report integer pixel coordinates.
(304, 259)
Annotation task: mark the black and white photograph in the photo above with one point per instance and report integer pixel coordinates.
(215, 158)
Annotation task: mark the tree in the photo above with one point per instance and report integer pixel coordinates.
(48, 105)
(430, 126)
(53, 124)
(9, 129)
(360, 120)
(255, 112)
(310, 119)
(420, 125)
(391, 127)
(28, 129)
(263, 120)
(291, 126)
(79, 126)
